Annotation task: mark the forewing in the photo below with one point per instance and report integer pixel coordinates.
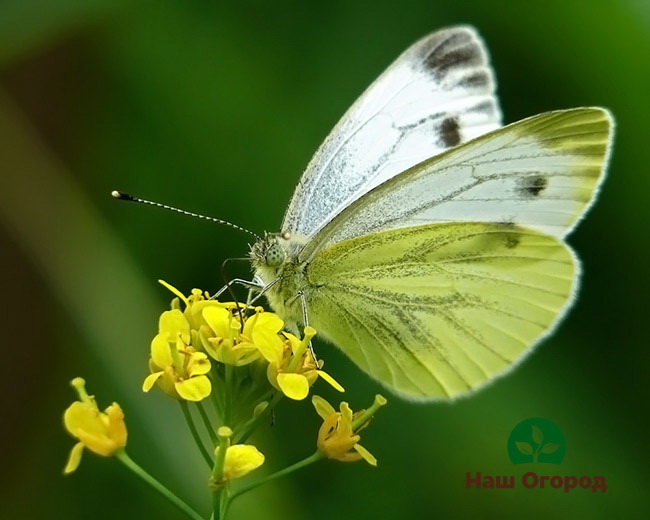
(542, 172)
(436, 95)
(434, 311)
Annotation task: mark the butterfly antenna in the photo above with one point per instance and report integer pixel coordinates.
(120, 195)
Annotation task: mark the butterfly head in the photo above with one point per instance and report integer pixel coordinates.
(269, 253)
(275, 254)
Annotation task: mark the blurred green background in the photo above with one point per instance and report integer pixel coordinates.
(217, 109)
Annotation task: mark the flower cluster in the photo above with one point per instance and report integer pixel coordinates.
(189, 341)
(240, 360)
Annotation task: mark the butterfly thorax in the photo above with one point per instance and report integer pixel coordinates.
(275, 257)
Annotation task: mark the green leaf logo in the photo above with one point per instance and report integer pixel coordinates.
(525, 448)
(536, 440)
(550, 447)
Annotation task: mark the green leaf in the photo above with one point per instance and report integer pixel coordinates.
(538, 436)
(550, 447)
(524, 448)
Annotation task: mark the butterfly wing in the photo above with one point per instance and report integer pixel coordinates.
(436, 95)
(434, 311)
(542, 172)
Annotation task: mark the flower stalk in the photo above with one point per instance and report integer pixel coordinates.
(152, 482)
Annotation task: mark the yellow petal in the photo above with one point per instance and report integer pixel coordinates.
(245, 353)
(99, 444)
(116, 425)
(84, 416)
(367, 456)
(174, 290)
(194, 389)
(218, 319)
(294, 386)
(205, 335)
(346, 413)
(330, 380)
(323, 408)
(74, 458)
(150, 380)
(175, 324)
(196, 310)
(160, 350)
(262, 323)
(199, 364)
(350, 456)
(166, 383)
(240, 460)
(271, 349)
(270, 342)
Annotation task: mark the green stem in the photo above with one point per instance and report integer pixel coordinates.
(216, 505)
(224, 501)
(207, 423)
(316, 456)
(195, 434)
(248, 428)
(227, 407)
(360, 421)
(220, 492)
(128, 462)
(214, 397)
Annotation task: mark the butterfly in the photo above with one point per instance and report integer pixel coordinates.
(427, 241)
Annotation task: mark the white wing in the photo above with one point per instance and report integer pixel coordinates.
(436, 95)
(542, 172)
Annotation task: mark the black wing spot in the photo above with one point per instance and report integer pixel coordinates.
(457, 51)
(449, 132)
(531, 187)
(486, 107)
(512, 238)
(474, 81)
(441, 63)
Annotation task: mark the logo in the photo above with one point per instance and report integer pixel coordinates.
(533, 442)
(536, 440)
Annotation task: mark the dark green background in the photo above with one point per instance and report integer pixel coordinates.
(217, 110)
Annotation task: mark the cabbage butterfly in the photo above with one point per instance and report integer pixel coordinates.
(426, 241)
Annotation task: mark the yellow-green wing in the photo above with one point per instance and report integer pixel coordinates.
(437, 310)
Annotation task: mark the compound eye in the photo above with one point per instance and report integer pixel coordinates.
(274, 256)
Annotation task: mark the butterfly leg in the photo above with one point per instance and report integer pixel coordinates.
(262, 289)
(253, 286)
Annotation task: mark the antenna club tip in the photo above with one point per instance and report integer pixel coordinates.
(120, 195)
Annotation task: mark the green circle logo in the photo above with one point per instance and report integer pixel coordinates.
(536, 440)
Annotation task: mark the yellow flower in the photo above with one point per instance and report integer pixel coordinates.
(217, 328)
(338, 435)
(177, 367)
(292, 368)
(228, 335)
(227, 341)
(241, 459)
(103, 433)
